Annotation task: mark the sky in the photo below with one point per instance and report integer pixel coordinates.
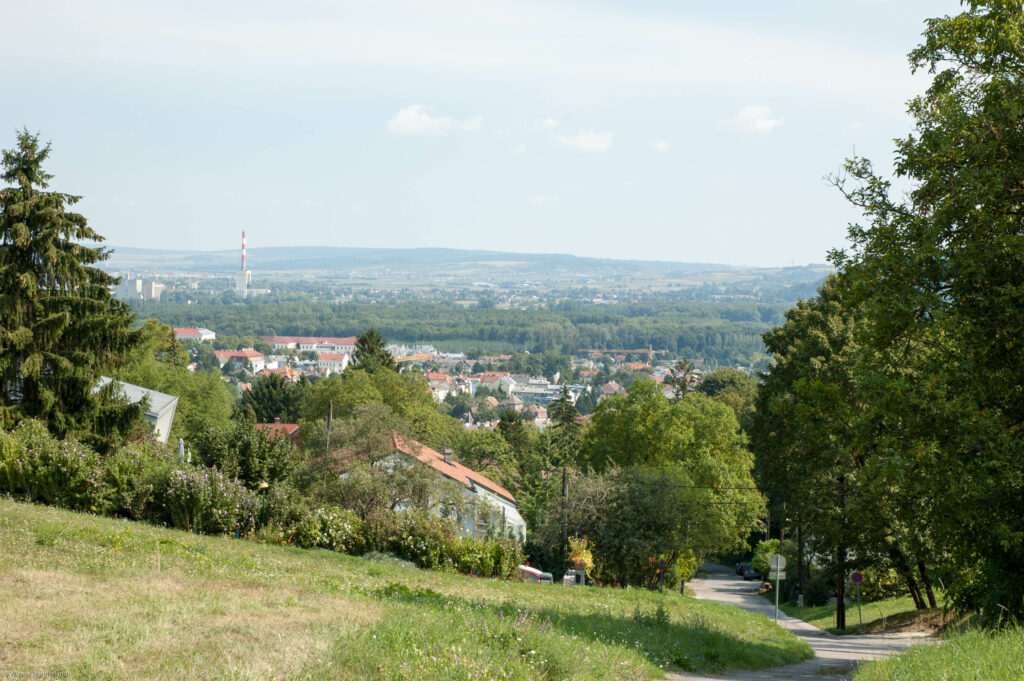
(640, 129)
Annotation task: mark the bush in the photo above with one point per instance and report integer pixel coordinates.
(507, 557)
(881, 582)
(378, 528)
(133, 476)
(426, 540)
(330, 528)
(433, 543)
(686, 567)
(57, 472)
(766, 548)
(203, 500)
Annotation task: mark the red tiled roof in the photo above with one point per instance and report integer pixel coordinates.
(311, 340)
(285, 429)
(454, 470)
(245, 354)
(187, 332)
(435, 376)
(331, 357)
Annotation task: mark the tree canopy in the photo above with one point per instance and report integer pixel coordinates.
(901, 381)
(60, 328)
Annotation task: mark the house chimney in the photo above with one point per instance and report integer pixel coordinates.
(447, 456)
(277, 419)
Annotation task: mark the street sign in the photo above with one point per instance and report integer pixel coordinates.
(777, 574)
(777, 562)
(857, 578)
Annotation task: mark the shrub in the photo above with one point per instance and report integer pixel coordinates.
(433, 543)
(133, 475)
(426, 540)
(881, 582)
(766, 548)
(61, 473)
(336, 529)
(377, 530)
(508, 556)
(686, 566)
(203, 500)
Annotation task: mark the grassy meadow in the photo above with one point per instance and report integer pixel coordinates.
(973, 656)
(106, 599)
(878, 615)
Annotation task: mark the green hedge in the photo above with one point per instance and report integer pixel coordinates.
(144, 481)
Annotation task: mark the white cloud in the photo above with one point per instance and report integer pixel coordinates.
(661, 146)
(419, 120)
(856, 125)
(543, 198)
(754, 119)
(589, 141)
(519, 149)
(546, 125)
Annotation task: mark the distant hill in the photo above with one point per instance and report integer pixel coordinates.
(312, 259)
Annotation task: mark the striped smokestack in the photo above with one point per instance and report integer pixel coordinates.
(243, 250)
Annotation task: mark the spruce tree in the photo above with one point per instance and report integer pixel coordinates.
(60, 327)
(371, 355)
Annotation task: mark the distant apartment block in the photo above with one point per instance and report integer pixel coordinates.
(197, 334)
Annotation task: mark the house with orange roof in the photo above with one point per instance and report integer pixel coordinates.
(637, 366)
(505, 519)
(288, 431)
(197, 334)
(290, 374)
(506, 522)
(249, 358)
(332, 362)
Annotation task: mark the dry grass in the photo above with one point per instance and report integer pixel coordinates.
(103, 599)
(138, 625)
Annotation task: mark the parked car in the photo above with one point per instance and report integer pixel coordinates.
(747, 572)
(531, 574)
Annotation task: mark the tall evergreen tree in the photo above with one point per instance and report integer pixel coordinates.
(371, 355)
(59, 325)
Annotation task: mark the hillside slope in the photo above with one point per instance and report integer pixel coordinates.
(107, 599)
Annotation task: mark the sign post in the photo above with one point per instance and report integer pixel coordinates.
(857, 578)
(778, 566)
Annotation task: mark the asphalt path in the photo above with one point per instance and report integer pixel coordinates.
(835, 657)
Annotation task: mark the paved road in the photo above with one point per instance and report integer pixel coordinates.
(835, 657)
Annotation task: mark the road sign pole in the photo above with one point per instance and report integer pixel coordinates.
(777, 563)
(777, 577)
(860, 619)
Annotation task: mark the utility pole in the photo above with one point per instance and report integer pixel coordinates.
(327, 452)
(800, 565)
(841, 562)
(565, 501)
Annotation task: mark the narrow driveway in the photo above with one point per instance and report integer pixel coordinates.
(835, 657)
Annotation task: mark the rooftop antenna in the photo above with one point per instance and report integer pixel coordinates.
(243, 250)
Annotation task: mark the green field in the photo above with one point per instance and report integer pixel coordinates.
(878, 615)
(107, 599)
(974, 656)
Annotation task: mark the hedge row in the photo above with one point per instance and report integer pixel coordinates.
(145, 482)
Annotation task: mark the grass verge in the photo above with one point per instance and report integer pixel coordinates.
(97, 598)
(964, 657)
(885, 615)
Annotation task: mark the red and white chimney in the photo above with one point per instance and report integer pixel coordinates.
(243, 250)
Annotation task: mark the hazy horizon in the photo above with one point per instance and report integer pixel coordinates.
(641, 130)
